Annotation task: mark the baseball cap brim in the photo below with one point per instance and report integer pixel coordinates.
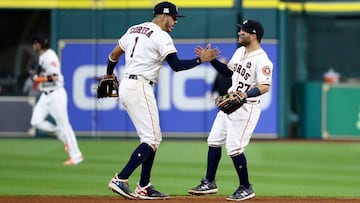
(175, 15)
(244, 28)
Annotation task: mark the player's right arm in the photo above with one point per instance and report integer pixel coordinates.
(221, 68)
(113, 59)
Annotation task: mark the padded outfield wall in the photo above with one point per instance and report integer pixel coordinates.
(303, 34)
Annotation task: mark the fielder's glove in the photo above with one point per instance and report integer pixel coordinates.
(108, 86)
(230, 102)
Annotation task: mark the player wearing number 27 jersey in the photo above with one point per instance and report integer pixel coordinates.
(250, 70)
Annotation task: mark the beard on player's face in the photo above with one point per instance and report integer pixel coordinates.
(244, 40)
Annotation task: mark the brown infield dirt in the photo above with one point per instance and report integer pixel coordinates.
(174, 199)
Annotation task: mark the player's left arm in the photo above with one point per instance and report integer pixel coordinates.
(264, 76)
(177, 64)
(257, 90)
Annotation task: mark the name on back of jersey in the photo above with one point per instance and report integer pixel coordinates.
(142, 30)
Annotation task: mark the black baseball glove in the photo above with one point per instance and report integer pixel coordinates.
(230, 102)
(108, 86)
(33, 67)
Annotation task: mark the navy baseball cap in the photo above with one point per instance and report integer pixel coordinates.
(253, 27)
(167, 8)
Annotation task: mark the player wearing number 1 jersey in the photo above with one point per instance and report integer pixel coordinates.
(251, 71)
(146, 46)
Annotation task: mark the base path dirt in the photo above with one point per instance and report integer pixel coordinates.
(176, 199)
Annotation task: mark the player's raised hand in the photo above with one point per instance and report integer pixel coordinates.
(206, 54)
(198, 50)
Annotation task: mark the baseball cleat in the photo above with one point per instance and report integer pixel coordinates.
(74, 161)
(149, 192)
(121, 187)
(242, 193)
(205, 188)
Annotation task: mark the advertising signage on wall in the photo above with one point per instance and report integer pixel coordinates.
(184, 98)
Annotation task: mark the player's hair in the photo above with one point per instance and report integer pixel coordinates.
(45, 45)
(42, 39)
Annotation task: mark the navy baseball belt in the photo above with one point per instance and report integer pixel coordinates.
(253, 102)
(48, 92)
(141, 78)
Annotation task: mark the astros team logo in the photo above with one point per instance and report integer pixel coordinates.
(266, 70)
(166, 10)
(53, 63)
(248, 64)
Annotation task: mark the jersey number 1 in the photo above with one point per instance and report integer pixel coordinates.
(132, 52)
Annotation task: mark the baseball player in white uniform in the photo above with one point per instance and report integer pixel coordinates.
(146, 46)
(53, 99)
(251, 73)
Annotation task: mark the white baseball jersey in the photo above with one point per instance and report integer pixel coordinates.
(53, 101)
(235, 130)
(249, 70)
(50, 64)
(146, 45)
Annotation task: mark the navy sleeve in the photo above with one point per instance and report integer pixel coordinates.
(178, 65)
(221, 68)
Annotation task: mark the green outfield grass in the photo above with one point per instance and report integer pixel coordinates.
(34, 167)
